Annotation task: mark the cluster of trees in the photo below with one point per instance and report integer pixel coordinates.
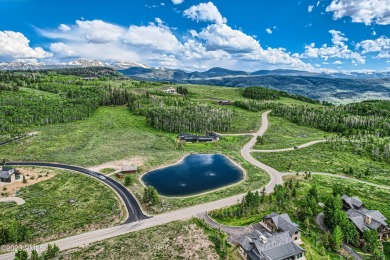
(129, 179)
(59, 99)
(261, 93)
(182, 90)
(14, 232)
(177, 115)
(363, 144)
(52, 252)
(151, 196)
(342, 229)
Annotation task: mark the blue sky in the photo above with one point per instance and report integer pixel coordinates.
(325, 35)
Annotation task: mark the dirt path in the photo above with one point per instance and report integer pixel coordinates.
(291, 148)
(17, 200)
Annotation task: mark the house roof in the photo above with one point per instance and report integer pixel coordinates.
(127, 168)
(278, 246)
(353, 202)
(5, 173)
(358, 217)
(283, 222)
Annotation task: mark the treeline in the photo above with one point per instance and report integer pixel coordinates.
(180, 115)
(54, 99)
(261, 93)
(346, 120)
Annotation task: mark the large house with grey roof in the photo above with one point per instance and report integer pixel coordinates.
(276, 241)
(365, 219)
(7, 175)
(282, 223)
(266, 246)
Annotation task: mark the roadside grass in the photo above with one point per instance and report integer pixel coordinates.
(176, 240)
(285, 134)
(323, 158)
(50, 213)
(107, 170)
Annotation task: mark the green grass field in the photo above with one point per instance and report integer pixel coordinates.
(49, 214)
(322, 158)
(284, 134)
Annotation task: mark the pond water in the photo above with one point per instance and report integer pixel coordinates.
(196, 173)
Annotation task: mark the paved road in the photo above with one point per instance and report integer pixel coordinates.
(133, 208)
(291, 148)
(17, 200)
(342, 177)
(276, 177)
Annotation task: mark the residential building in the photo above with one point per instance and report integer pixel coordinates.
(129, 169)
(365, 219)
(7, 175)
(224, 102)
(210, 137)
(282, 223)
(170, 91)
(266, 246)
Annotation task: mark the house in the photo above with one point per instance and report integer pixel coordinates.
(170, 91)
(282, 223)
(129, 169)
(189, 138)
(7, 175)
(224, 103)
(351, 203)
(365, 219)
(266, 246)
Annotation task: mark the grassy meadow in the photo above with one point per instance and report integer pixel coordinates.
(323, 158)
(285, 134)
(67, 204)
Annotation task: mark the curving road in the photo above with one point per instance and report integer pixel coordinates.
(140, 221)
(134, 211)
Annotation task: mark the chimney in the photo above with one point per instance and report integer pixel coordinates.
(368, 220)
(263, 239)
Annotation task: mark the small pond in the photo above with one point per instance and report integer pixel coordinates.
(196, 173)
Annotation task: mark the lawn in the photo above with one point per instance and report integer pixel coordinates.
(65, 205)
(386, 250)
(176, 240)
(284, 134)
(322, 158)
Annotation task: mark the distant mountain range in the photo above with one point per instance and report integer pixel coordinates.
(72, 64)
(336, 87)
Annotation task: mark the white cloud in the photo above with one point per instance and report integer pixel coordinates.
(15, 46)
(64, 28)
(177, 2)
(268, 30)
(361, 11)
(380, 45)
(155, 44)
(206, 12)
(339, 50)
(310, 8)
(223, 37)
(338, 62)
